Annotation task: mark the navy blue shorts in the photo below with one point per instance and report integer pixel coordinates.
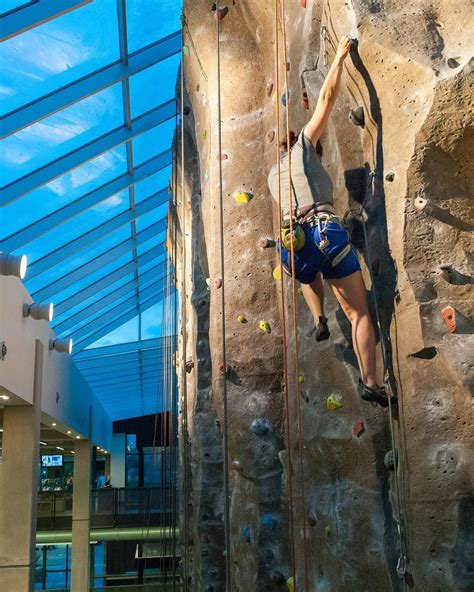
(310, 260)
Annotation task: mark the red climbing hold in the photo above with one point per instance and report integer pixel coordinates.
(449, 317)
(358, 429)
(303, 3)
(220, 13)
(269, 89)
(222, 157)
(218, 282)
(224, 369)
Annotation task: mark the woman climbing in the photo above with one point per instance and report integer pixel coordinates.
(321, 244)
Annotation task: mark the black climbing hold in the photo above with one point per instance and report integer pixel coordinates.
(376, 267)
(246, 534)
(187, 110)
(453, 63)
(357, 116)
(427, 353)
(389, 460)
(277, 577)
(266, 243)
(312, 517)
(259, 427)
(390, 177)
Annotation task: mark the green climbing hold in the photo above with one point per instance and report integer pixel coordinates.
(334, 401)
(242, 196)
(206, 176)
(327, 530)
(204, 134)
(290, 582)
(186, 50)
(301, 379)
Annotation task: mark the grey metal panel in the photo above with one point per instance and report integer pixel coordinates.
(89, 85)
(24, 18)
(68, 162)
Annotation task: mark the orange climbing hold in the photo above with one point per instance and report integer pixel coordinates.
(303, 3)
(222, 157)
(449, 317)
(218, 282)
(304, 99)
(219, 13)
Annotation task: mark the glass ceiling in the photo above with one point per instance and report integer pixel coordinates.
(88, 113)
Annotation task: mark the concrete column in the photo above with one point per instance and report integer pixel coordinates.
(19, 487)
(81, 500)
(117, 461)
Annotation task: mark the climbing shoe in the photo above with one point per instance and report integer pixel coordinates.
(373, 394)
(322, 330)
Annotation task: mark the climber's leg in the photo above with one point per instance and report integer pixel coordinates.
(314, 295)
(351, 295)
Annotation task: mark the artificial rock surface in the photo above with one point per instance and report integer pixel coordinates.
(412, 75)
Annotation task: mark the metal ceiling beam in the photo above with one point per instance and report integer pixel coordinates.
(89, 85)
(149, 375)
(84, 203)
(120, 348)
(118, 322)
(23, 19)
(104, 229)
(129, 366)
(111, 278)
(98, 305)
(80, 156)
(152, 291)
(91, 266)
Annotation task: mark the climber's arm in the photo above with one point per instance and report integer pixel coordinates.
(328, 94)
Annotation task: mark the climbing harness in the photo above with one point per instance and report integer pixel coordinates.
(227, 524)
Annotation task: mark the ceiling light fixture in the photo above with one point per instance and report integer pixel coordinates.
(54, 424)
(39, 311)
(59, 448)
(4, 397)
(63, 346)
(43, 443)
(13, 265)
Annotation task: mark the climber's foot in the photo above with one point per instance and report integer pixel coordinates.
(375, 394)
(322, 329)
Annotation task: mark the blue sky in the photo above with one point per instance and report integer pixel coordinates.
(37, 63)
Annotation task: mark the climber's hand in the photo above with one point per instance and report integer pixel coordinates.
(344, 47)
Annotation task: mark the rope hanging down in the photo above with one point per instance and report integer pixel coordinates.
(223, 334)
(283, 305)
(294, 307)
(184, 397)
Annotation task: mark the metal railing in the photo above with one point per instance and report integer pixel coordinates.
(110, 508)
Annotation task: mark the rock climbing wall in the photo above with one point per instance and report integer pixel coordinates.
(367, 491)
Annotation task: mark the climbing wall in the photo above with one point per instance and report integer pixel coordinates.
(369, 493)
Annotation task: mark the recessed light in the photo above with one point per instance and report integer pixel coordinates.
(78, 437)
(1, 429)
(4, 397)
(105, 452)
(54, 424)
(59, 448)
(72, 452)
(69, 432)
(43, 443)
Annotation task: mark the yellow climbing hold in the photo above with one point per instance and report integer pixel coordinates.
(242, 196)
(241, 319)
(204, 134)
(300, 291)
(291, 584)
(277, 273)
(301, 379)
(327, 531)
(334, 401)
(264, 326)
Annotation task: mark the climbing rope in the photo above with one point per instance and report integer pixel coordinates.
(283, 305)
(294, 303)
(184, 386)
(223, 332)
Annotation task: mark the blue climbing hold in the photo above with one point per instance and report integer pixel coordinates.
(246, 534)
(259, 427)
(283, 98)
(270, 520)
